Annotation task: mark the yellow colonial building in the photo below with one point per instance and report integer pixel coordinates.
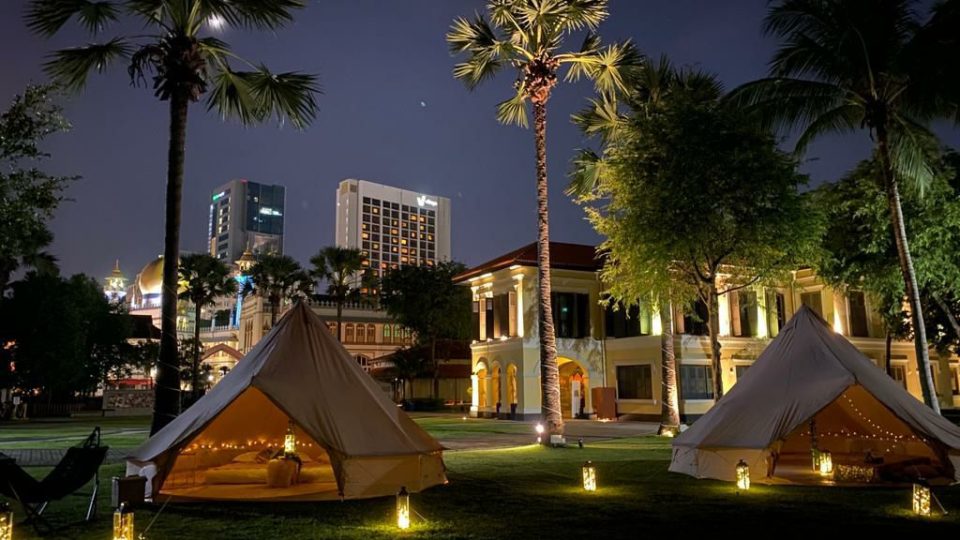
(607, 356)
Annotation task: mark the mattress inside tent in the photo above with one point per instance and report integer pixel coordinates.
(229, 459)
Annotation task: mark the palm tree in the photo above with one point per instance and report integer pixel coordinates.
(184, 65)
(278, 278)
(527, 35)
(205, 279)
(848, 65)
(339, 266)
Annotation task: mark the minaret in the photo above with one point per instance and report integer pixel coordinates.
(115, 285)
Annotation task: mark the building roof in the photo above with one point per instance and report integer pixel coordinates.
(562, 255)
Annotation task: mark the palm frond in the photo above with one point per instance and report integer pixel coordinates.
(514, 110)
(476, 69)
(46, 17)
(262, 14)
(601, 118)
(784, 104)
(913, 150)
(843, 119)
(609, 68)
(585, 174)
(580, 14)
(152, 10)
(70, 67)
(259, 95)
(471, 36)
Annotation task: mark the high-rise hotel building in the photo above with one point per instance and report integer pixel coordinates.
(246, 215)
(392, 227)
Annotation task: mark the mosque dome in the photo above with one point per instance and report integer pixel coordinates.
(150, 279)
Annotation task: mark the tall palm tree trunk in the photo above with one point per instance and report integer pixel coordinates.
(167, 395)
(906, 268)
(549, 374)
(339, 320)
(274, 308)
(670, 401)
(713, 329)
(195, 382)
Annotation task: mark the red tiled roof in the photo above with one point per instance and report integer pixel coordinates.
(562, 255)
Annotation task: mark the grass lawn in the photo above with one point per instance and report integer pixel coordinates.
(530, 492)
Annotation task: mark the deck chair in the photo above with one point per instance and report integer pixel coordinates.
(79, 466)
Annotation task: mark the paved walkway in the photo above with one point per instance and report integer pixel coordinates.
(588, 430)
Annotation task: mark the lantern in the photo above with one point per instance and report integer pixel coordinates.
(815, 454)
(743, 475)
(123, 523)
(290, 441)
(6, 522)
(589, 477)
(403, 509)
(539, 429)
(826, 464)
(921, 500)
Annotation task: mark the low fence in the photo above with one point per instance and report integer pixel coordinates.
(130, 401)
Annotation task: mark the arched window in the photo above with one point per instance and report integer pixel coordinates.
(348, 338)
(371, 333)
(387, 334)
(360, 333)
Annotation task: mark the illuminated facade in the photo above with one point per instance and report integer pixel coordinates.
(115, 285)
(244, 216)
(604, 348)
(392, 227)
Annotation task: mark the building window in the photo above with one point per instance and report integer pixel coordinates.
(571, 315)
(348, 338)
(371, 333)
(512, 296)
(741, 371)
(476, 320)
(621, 321)
(696, 382)
(858, 314)
(955, 379)
(776, 312)
(695, 319)
(813, 301)
(488, 306)
(634, 382)
(747, 304)
(899, 374)
(363, 361)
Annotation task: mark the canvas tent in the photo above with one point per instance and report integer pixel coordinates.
(811, 384)
(352, 441)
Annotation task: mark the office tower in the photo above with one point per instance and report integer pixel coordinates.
(246, 215)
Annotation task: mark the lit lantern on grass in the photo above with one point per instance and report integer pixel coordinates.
(589, 476)
(743, 475)
(826, 464)
(403, 509)
(290, 441)
(921, 500)
(539, 433)
(6, 522)
(123, 523)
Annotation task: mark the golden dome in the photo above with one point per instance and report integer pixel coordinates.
(150, 279)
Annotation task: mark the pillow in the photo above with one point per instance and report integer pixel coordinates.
(249, 457)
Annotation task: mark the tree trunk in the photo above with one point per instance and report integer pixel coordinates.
(906, 268)
(167, 400)
(274, 308)
(669, 400)
(887, 354)
(713, 328)
(549, 373)
(436, 368)
(196, 355)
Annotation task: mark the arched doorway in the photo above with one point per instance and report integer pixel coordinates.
(574, 389)
(482, 389)
(496, 397)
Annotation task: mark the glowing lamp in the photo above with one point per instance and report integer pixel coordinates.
(921, 500)
(290, 441)
(589, 476)
(403, 509)
(826, 464)
(6, 522)
(123, 523)
(743, 475)
(539, 429)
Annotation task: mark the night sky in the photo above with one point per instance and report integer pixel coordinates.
(379, 63)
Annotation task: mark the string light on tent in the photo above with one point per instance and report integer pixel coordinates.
(743, 475)
(123, 523)
(589, 476)
(403, 509)
(6, 522)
